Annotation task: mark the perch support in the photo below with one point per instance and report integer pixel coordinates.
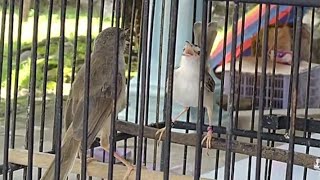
(276, 154)
(95, 169)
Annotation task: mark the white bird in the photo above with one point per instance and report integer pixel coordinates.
(186, 87)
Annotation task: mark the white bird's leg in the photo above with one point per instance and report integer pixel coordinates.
(184, 110)
(209, 135)
(162, 130)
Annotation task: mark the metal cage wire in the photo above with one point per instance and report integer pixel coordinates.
(154, 43)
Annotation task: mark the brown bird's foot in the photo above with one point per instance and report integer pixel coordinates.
(129, 170)
(129, 166)
(160, 131)
(91, 159)
(208, 139)
(121, 159)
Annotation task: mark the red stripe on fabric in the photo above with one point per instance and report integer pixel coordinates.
(246, 45)
(249, 20)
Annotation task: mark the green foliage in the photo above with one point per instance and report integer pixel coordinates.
(53, 55)
(53, 61)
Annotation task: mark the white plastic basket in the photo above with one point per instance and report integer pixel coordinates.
(281, 84)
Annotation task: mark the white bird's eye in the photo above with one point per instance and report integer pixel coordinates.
(196, 49)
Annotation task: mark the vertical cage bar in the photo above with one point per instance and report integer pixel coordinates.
(238, 90)
(225, 32)
(84, 143)
(185, 149)
(148, 80)
(129, 67)
(209, 11)
(170, 70)
(123, 17)
(305, 133)
(144, 49)
(113, 11)
(291, 74)
(229, 127)
(3, 29)
(8, 91)
(262, 90)
(295, 88)
(138, 88)
(44, 83)
(274, 62)
(200, 121)
(101, 15)
(155, 147)
(253, 107)
(16, 81)
(32, 90)
(75, 41)
(59, 91)
(268, 165)
(194, 16)
(114, 116)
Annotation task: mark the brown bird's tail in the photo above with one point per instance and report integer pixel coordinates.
(69, 152)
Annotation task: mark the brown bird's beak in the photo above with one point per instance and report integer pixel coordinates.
(123, 33)
(126, 31)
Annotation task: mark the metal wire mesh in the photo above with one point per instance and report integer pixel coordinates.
(265, 113)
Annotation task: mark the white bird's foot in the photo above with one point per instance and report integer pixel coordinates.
(208, 139)
(160, 131)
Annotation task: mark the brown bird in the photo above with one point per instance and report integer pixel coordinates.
(100, 102)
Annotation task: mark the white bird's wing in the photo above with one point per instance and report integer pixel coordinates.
(209, 82)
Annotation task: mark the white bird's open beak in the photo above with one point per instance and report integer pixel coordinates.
(188, 51)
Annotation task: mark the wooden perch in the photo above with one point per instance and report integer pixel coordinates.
(300, 159)
(95, 169)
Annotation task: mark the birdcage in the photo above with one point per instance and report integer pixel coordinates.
(53, 106)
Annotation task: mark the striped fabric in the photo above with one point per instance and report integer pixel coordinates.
(250, 29)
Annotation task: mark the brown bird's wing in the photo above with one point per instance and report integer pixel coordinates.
(99, 110)
(68, 113)
(100, 100)
(209, 82)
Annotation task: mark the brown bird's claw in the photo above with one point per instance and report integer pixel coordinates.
(160, 131)
(130, 169)
(208, 139)
(91, 159)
